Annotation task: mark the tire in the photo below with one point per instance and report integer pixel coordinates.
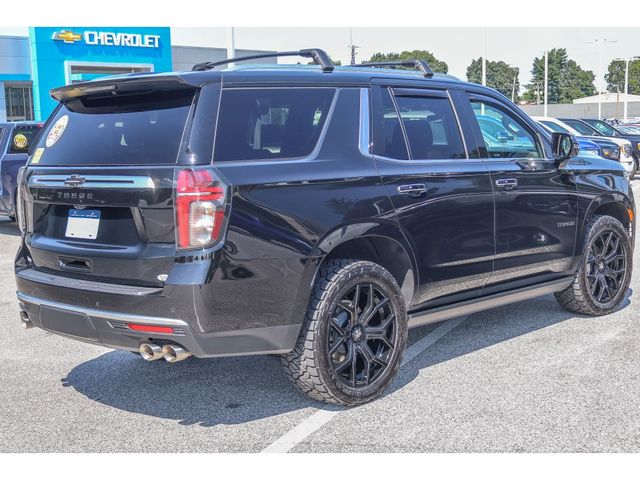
(600, 285)
(335, 333)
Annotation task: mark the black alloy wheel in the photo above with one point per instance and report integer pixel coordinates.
(606, 267)
(362, 335)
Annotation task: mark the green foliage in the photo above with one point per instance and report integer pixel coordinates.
(615, 77)
(435, 64)
(567, 80)
(500, 75)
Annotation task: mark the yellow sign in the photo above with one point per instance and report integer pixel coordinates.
(36, 155)
(67, 36)
(20, 141)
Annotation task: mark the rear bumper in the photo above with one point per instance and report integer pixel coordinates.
(110, 328)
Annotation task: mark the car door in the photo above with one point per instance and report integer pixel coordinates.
(536, 203)
(442, 196)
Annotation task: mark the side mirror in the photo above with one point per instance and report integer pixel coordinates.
(565, 146)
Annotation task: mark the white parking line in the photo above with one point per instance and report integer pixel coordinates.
(323, 416)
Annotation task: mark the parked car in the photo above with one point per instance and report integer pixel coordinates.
(587, 146)
(314, 213)
(622, 153)
(618, 130)
(607, 148)
(15, 140)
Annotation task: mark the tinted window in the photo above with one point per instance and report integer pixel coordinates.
(389, 141)
(132, 129)
(21, 138)
(270, 123)
(505, 136)
(581, 127)
(431, 128)
(554, 127)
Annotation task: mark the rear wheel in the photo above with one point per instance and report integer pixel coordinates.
(602, 279)
(355, 333)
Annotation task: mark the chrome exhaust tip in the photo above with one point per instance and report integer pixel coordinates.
(174, 353)
(150, 351)
(24, 320)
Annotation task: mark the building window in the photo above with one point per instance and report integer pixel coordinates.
(19, 102)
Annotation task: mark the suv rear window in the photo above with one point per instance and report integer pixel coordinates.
(135, 129)
(21, 138)
(270, 123)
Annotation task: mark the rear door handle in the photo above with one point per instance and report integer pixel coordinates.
(507, 183)
(412, 190)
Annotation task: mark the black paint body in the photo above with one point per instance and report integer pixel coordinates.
(462, 239)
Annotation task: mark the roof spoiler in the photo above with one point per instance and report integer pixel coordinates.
(115, 86)
(318, 55)
(420, 65)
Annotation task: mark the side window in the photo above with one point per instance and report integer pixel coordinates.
(270, 123)
(505, 136)
(390, 141)
(21, 139)
(431, 127)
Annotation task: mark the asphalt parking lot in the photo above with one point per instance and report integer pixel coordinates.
(528, 377)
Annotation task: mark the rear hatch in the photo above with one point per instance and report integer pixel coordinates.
(99, 188)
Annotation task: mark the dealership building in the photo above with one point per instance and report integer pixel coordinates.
(53, 56)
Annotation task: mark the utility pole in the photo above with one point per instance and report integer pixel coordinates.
(546, 80)
(513, 89)
(600, 43)
(352, 47)
(231, 45)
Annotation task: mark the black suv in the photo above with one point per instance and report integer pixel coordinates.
(312, 212)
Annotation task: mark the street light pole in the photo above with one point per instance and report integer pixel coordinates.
(626, 88)
(600, 49)
(484, 59)
(231, 45)
(546, 80)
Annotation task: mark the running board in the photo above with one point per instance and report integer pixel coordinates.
(446, 312)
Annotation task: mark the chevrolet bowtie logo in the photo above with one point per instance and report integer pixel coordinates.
(67, 36)
(74, 180)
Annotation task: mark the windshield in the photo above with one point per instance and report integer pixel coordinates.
(603, 127)
(135, 130)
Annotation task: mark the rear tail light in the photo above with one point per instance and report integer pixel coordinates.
(200, 208)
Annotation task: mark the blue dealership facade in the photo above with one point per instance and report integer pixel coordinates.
(53, 56)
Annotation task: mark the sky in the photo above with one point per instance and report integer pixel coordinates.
(457, 46)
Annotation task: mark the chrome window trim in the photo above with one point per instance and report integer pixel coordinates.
(93, 181)
(364, 138)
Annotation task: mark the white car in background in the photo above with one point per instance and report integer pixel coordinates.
(626, 159)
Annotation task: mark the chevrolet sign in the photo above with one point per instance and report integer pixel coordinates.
(119, 39)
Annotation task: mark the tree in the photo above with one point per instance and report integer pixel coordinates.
(615, 77)
(567, 80)
(435, 64)
(500, 76)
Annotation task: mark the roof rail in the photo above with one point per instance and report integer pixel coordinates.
(318, 55)
(420, 65)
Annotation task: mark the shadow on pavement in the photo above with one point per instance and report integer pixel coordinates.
(195, 391)
(7, 227)
(241, 389)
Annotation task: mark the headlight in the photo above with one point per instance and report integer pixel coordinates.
(611, 152)
(627, 149)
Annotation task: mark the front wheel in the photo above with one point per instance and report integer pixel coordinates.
(354, 335)
(602, 279)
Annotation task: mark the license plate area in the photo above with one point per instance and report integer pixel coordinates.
(82, 223)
